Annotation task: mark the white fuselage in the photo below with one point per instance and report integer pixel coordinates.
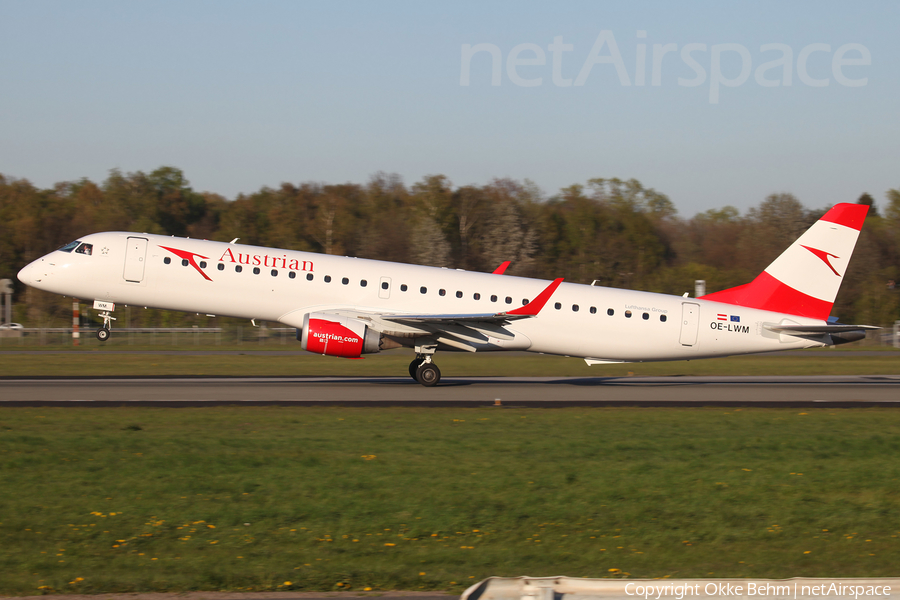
(579, 320)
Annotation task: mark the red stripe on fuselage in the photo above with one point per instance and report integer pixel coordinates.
(767, 293)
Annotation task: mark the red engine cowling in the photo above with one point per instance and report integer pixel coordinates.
(338, 336)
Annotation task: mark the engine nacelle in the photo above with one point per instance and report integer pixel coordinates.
(338, 336)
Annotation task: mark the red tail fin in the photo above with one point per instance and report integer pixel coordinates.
(805, 279)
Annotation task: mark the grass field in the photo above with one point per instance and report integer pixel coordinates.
(133, 499)
(186, 362)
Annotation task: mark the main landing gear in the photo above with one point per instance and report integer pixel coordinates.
(423, 370)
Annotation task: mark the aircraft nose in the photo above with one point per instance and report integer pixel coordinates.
(25, 275)
(31, 273)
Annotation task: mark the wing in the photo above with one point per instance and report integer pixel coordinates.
(468, 331)
(502, 268)
(529, 310)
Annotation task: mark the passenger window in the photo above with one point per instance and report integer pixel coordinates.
(256, 270)
(238, 268)
(309, 276)
(557, 306)
(593, 310)
(645, 316)
(442, 292)
(423, 290)
(459, 294)
(384, 285)
(328, 279)
(509, 300)
(274, 273)
(662, 318)
(345, 281)
(476, 296)
(610, 312)
(202, 264)
(574, 308)
(221, 266)
(292, 274)
(167, 260)
(85, 249)
(363, 283)
(524, 301)
(493, 298)
(403, 287)
(185, 262)
(627, 314)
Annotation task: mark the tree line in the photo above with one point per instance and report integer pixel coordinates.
(616, 232)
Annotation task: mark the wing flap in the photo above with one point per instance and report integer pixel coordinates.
(436, 319)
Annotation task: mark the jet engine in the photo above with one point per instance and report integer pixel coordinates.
(335, 335)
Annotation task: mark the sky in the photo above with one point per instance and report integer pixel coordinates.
(241, 95)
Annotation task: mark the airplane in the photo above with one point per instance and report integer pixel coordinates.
(347, 307)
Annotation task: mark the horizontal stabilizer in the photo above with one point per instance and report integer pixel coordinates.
(837, 334)
(818, 329)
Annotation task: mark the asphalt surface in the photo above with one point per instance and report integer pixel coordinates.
(387, 595)
(190, 352)
(538, 392)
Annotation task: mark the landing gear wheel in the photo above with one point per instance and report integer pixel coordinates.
(428, 374)
(103, 334)
(414, 366)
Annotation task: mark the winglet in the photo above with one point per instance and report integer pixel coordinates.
(534, 307)
(502, 268)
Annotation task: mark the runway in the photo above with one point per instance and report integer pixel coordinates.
(537, 392)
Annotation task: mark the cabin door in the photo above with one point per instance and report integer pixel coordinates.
(690, 323)
(135, 255)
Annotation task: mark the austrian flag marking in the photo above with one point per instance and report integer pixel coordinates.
(725, 322)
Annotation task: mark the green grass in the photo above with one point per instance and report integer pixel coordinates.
(394, 363)
(133, 499)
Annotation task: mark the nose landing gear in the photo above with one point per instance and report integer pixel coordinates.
(104, 332)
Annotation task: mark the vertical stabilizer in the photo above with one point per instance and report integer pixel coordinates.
(805, 279)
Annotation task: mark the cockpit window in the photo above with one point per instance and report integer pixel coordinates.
(85, 249)
(70, 246)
